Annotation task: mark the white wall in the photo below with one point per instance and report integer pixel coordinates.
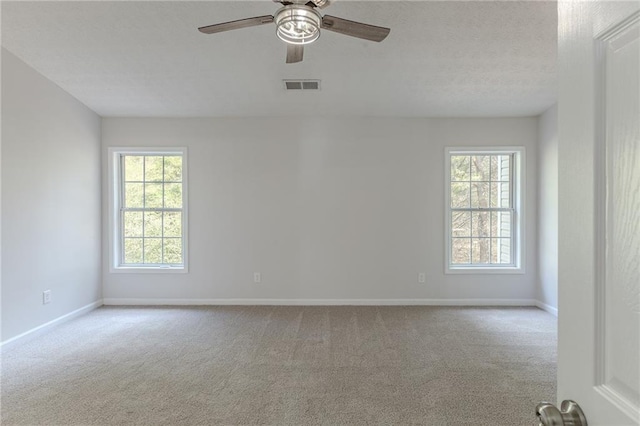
(323, 208)
(548, 208)
(51, 210)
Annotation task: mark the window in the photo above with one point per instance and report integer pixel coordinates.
(483, 209)
(149, 201)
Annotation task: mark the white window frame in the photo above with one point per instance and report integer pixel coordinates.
(518, 197)
(114, 202)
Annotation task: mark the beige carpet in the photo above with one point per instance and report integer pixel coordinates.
(284, 365)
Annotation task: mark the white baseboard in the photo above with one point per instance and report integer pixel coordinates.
(323, 302)
(57, 321)
(548, 308)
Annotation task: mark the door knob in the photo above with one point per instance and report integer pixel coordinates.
(569, 414)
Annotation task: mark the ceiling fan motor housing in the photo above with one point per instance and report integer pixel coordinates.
(298, 24)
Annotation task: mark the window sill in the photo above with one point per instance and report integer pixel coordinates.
(480, 270)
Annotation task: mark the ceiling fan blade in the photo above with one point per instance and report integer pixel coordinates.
(234, 25)
(294, 53)
(354, 29)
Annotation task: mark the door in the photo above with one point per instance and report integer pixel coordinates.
(599, 209)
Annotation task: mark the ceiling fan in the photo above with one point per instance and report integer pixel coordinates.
(298, 23)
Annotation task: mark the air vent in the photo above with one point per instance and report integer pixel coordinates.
(302, 84)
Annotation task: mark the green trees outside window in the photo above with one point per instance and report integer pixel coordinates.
(151, 209)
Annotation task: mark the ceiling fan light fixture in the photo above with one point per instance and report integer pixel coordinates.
(298, 24)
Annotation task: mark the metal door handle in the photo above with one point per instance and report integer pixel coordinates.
(570, 414)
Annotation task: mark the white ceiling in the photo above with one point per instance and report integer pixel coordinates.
(442, 59)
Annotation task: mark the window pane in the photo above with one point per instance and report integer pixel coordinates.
(153, 224)
(133, 250)
(153, 169)
(504, 168)
(460, 196)
(173, 169)
(495, 250)
(480, 250)
(133, 168)
(153, 250)
(504, 249)
(460, 251)
(500, 251)
(494, 224)
(495, 167)
(173, 250)
(495, 194)
(500, 195)
(480, 168)
(461, 224)
(505, 195)
(153, 195)
(133, 224)
(172, 224)
(133, 195)
(460, 168)
(479, 195)
(172, 195)
(501, 224)
(480, 222)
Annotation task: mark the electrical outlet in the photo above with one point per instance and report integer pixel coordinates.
(422, 277)
(46, 297)
(257, 277)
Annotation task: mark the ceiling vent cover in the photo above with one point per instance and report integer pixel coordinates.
(302, 84)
